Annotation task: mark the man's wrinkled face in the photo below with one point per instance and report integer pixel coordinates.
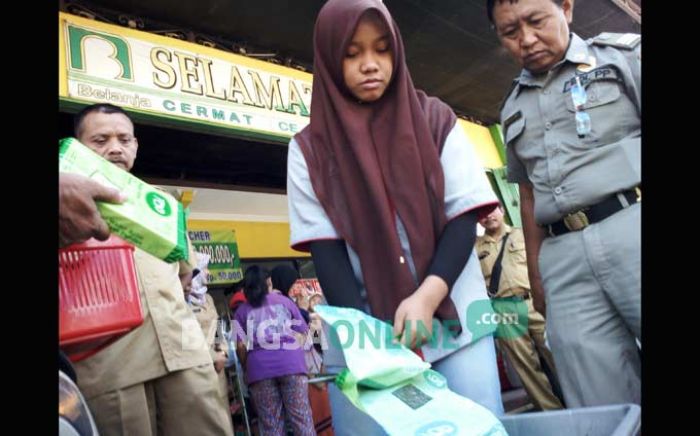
(535, 32)
(111, 136)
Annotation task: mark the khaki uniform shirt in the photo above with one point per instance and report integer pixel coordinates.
(168, 340)
(569, 173)
(514, 280)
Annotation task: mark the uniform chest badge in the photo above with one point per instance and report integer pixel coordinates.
(588, 66)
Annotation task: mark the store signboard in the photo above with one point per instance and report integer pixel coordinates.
(184, 82)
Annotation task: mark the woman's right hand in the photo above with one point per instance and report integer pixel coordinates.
(416, 312)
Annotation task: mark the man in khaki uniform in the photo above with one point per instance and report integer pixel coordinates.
(572, 128)
(513, 284)
(204, 309)
(159, 378)
(207, 317)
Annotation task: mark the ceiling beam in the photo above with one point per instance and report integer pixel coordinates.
(631, 8)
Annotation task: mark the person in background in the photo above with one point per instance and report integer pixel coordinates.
(268, 326)
(203, 307)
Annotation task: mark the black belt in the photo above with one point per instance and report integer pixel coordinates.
(598, 212)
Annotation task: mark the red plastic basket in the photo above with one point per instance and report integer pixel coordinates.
(98, 295)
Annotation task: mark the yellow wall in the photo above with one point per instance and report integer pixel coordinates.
(485, 147)
(255, 239)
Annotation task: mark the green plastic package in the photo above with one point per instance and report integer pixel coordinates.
(150, 219)
(395, 387)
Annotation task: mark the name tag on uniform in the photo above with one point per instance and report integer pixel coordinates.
(511, 119)
(600, 73)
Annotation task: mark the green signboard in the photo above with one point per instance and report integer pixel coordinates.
(222, 248)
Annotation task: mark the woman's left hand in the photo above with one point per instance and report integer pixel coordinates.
(418, 310)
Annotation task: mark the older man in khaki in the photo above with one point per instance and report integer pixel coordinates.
(510, 284)
(159, 379)
(202, 305)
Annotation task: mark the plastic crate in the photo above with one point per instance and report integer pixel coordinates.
(614, 420)
(98, 295)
